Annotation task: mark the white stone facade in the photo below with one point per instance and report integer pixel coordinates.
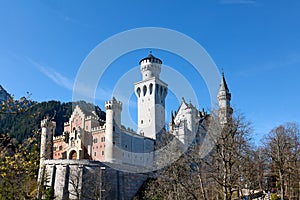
(151, 93)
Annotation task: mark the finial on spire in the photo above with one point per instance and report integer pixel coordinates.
(150, 51)
(182, 99)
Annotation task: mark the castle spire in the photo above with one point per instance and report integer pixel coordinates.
(223, 85)
(224, 98)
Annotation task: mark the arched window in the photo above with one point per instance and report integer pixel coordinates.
(151, 88)
(144, 90)
(138, 91)
(156, 88)
(73, 155)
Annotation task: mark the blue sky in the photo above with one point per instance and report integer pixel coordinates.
(43, 43)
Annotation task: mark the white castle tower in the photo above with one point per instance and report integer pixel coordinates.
(47, 133)
(224, 98)
(113, 131)
(151, 93)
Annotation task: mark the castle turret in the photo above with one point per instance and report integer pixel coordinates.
(47, 133)
(224, 98)
(192, 118)
(48, 130)
(151, 93)
(113, 131)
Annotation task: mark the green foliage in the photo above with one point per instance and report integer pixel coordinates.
(275, 197)
(18, 167)
(49, 194)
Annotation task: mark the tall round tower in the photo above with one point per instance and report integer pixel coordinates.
(151, 93)
(113, 130)
(47, 133)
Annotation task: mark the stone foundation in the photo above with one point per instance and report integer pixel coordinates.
(85, 179)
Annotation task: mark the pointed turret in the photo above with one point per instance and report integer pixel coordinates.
(224, 98)
(223, 85)
(224, 95)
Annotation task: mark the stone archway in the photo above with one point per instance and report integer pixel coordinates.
(73, 155)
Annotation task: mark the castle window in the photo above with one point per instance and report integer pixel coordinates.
(125, 146)
(114, 128)
(74, 130)
(161, 90)
(151, 88)
(72, 142)
(102, 153)
(95, 153)
(142, 133)
(95, 140)
(144, 90)
(60, 148)
(54, 148)
(138, 91)
(142, 121)
(102, 139)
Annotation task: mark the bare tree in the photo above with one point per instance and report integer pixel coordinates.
(282, 146)
(231, 140)
(215, 176)
(87, 183)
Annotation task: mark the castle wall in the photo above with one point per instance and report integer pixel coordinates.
(98, 145)
(85, 179)
(59, 148)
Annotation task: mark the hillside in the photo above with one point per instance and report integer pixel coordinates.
(21, 125)
(3, 94)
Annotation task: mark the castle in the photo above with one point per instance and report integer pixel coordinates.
(88, 146)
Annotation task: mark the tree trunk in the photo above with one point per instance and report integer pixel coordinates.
(202, 186)
(282, 193)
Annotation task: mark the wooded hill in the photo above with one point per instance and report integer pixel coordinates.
(20, 125)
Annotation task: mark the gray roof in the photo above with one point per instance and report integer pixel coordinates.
(223, 84)
(151, 58)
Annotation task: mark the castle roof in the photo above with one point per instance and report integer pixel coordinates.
(223, 84)
(151, 58)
